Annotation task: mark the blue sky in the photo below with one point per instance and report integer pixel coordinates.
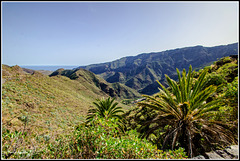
(83, 33)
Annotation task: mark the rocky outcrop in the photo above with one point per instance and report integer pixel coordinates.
(230, 152)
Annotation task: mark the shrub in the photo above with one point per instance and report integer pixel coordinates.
(106, 108)
(101, 140)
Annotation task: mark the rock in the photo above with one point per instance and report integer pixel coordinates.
(230, 152)
(214, 155)
(199, 157)
(223, 154)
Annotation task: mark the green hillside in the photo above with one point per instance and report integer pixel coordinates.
(49, 103)
(47, 106)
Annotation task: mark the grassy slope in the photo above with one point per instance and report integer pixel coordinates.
(52, 105)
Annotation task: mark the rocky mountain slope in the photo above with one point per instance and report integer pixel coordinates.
(141, 72)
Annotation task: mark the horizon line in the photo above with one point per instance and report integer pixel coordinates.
(123, 56)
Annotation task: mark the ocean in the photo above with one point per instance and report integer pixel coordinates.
(50, 68)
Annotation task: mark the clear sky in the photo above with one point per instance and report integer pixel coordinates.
(83, 33)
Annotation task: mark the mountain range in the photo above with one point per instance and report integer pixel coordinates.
(141, 72)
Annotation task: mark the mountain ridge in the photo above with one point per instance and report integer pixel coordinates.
(141, 72)
(117, 89)
(146, 53)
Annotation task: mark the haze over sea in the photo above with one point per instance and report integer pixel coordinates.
(47, 67)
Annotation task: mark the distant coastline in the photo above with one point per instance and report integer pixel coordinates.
(50, 68)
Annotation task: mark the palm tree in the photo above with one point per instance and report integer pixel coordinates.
(106, 109)
(184, 115)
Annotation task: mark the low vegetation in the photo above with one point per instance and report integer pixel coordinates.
(60, 118)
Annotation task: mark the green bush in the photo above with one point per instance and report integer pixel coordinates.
(229, 112)
(232, 89)
(99, 140)
(102, 141)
